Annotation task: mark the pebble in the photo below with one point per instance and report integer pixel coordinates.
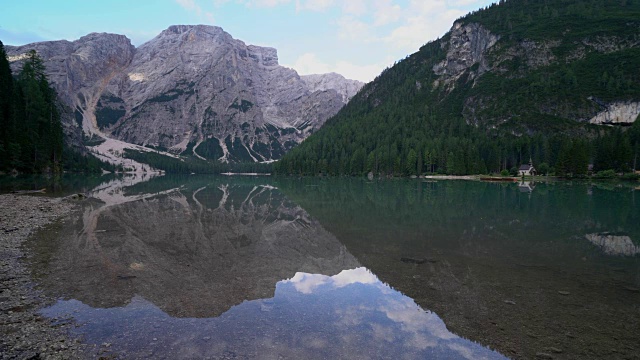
(35, 337)
(564, 293)
(542, 355)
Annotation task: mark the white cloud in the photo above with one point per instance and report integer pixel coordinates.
(313, 5)
(364, 73)
(252, 3)
(419, 29)
(351, 28)
(190, 5)
(193, 6)
(360, 275)
(309, 63)
(465, 2)
(263, 3)
(358, 32)
(386, 12)
(210, 18)
(307, 283)
(354, 7)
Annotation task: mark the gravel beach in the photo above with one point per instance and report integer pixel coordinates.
(25, 334)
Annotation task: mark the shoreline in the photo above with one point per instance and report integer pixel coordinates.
(24, 333)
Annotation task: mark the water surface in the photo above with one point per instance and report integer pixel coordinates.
(183, 267)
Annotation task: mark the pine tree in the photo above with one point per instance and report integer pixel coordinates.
(6, 94)
(36, 118)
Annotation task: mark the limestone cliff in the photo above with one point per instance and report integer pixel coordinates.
(191, 90)
(324, 82)
(472, 50)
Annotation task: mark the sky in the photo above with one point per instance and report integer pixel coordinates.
(355, 38)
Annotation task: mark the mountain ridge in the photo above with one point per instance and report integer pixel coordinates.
(514, 81)
(191, 90)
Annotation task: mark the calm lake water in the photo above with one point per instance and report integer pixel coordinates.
(234, 267)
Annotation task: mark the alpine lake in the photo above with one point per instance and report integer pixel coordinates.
(182, 267)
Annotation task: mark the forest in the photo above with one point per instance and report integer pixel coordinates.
(408, 121)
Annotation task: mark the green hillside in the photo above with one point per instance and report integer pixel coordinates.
(555, 65)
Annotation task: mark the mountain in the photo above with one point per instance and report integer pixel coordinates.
(515, 81)
(324, 82)
(192, 90)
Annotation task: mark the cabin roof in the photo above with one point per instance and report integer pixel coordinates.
(525, 167)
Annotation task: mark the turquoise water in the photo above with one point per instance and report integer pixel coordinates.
(237, 267)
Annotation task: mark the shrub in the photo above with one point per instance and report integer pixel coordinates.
(605, 174)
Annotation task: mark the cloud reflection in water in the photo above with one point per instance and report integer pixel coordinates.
(348, 315)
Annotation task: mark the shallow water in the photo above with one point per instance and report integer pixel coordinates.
(233, 267)
(55, 185)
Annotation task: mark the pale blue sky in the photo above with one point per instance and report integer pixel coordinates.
(357, 38)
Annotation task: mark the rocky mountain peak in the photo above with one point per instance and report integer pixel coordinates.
(322, 82)
(104, 38)
(467, 46)
(185, 34)
(191, 90)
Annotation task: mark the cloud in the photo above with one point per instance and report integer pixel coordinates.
(309, 63)
(386, 12)
(307, 283)
(313, 5)
(417, 30)
(356, 276)
(358, 33)
(252, 3)
(194, 7)
(364, 73)
(400, 26)
(405, 26)
(354, 7)
(263, 3)
(351, 28)
(190, 5)
(465, 2)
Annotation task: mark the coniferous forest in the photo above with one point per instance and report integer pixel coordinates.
(525, 104)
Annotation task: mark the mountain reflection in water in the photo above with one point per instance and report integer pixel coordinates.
(613, 244)
(522, 272)
(189, 269)
(193, 253)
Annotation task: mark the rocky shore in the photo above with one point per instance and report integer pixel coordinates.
(24, 333)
